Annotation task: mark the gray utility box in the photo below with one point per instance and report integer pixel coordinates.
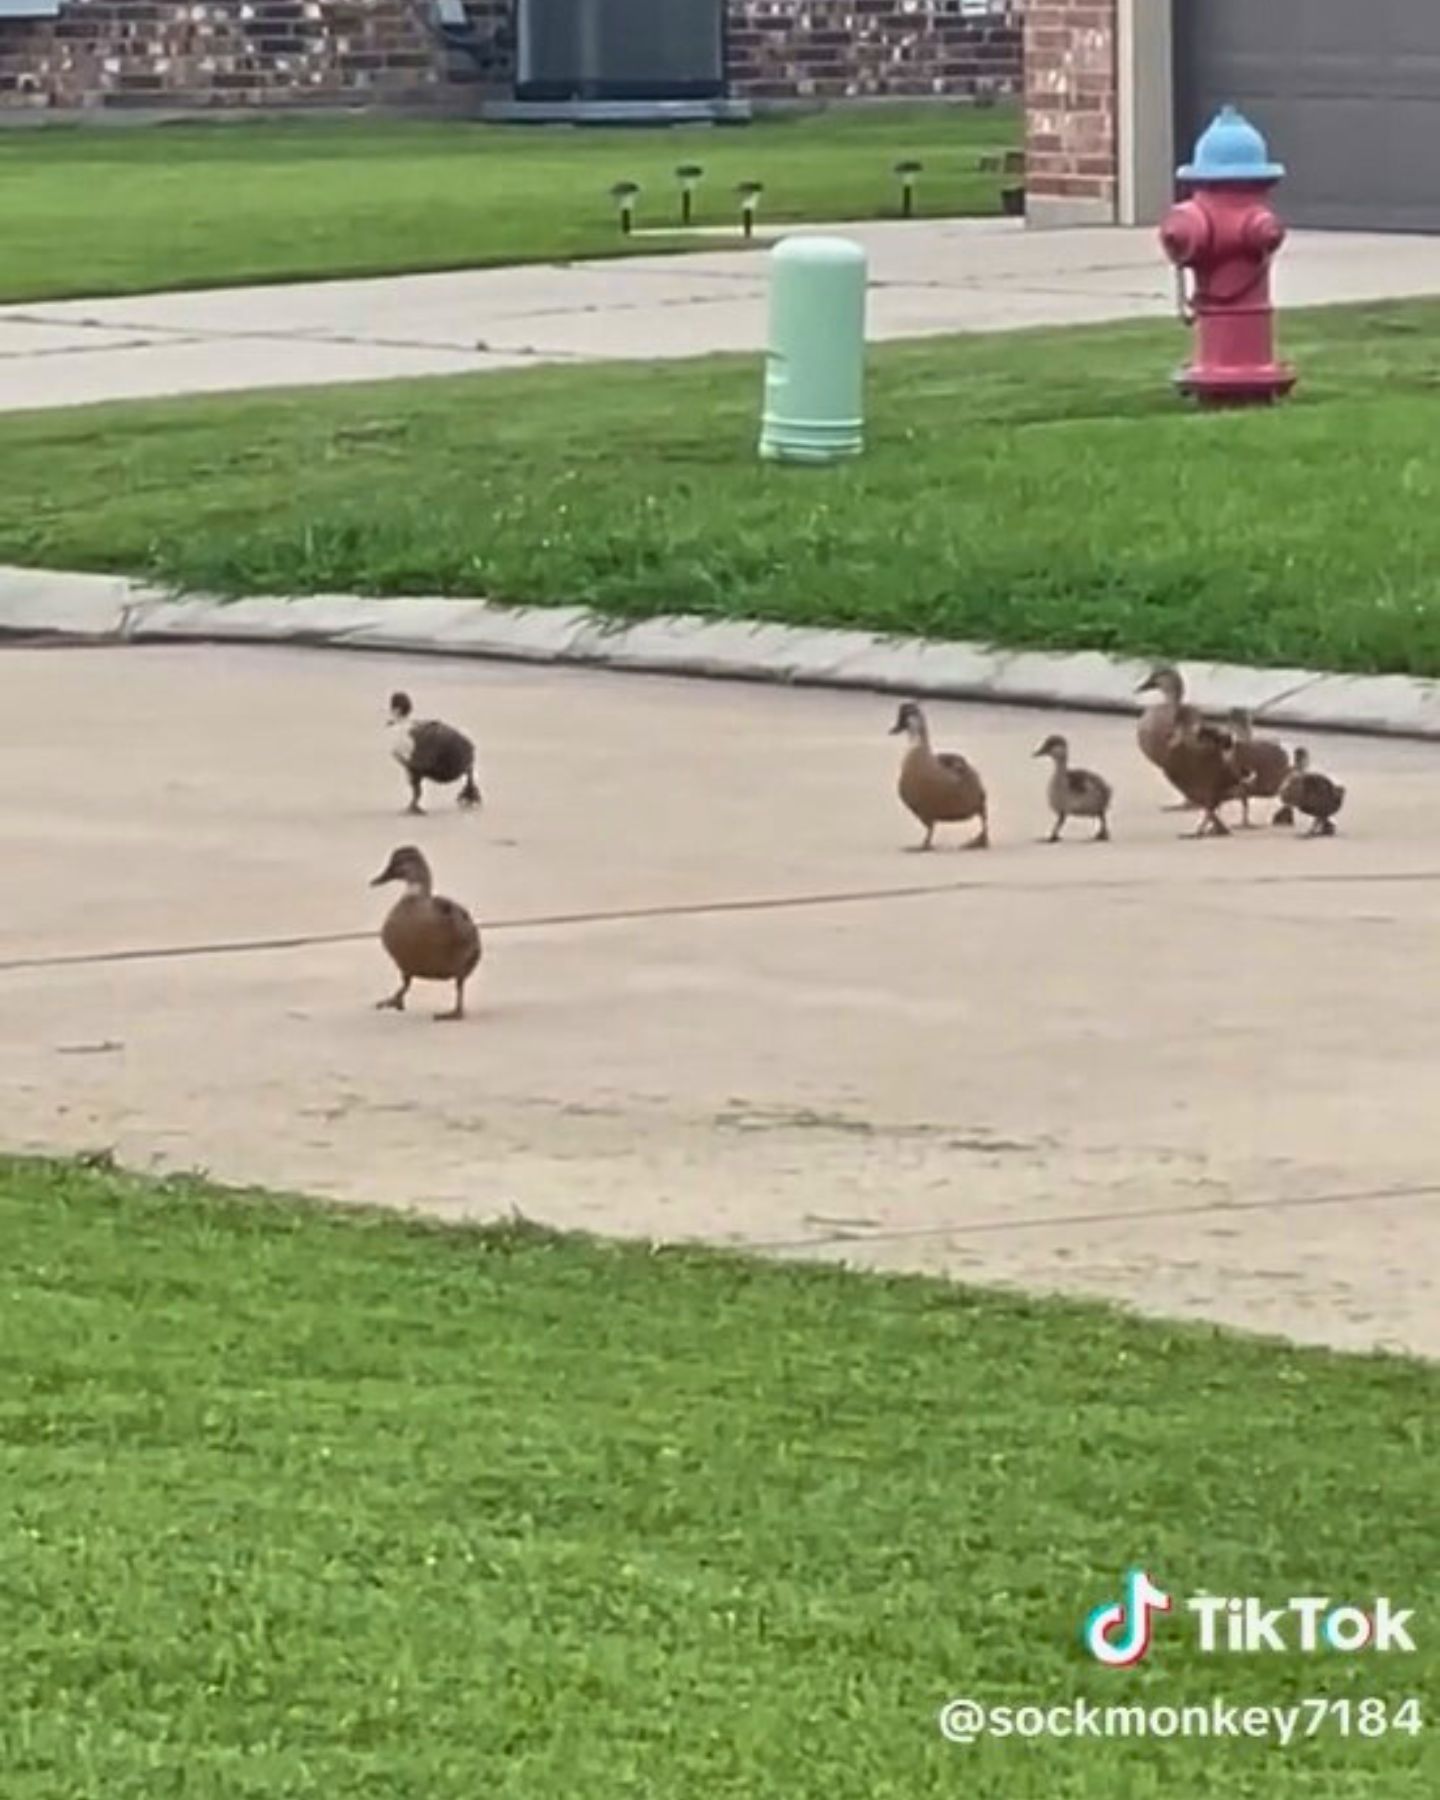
(621, 50)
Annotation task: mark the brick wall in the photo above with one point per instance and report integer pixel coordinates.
(215, 53)
(1071, 109)
(787, 49)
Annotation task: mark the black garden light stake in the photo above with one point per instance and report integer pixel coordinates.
(624, 194)
(688, 175)
(749, 192)
(908, 171)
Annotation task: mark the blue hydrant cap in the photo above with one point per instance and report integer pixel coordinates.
(1231, 149)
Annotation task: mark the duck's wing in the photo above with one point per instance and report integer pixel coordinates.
(1085, 784)
(1332, 797)
(455, 917)
(439, 750)
(455, 924)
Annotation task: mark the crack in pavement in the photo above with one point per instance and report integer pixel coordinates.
(310, 337)
(717, 908)
(752, 286)
(170, 335)
(33, 355)
(1426, 1190)
(1429, 1190)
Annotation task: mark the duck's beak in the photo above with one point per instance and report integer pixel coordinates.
(1042, 751)
(1147, 686)
(896, 728)
(385, 876)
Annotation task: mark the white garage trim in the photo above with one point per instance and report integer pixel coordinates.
(1145, 110)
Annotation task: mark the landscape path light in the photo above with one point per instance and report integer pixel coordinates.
(908, 172)
(624, 194)
(689, 176)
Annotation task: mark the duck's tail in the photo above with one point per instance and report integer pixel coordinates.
(470, 794)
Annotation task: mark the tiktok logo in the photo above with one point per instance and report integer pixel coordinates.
(1120, 1633)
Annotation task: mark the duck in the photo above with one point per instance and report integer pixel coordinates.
(1156, 726)
(430, 750)
(1075, 793)
(1265, 764)
(1200, 763)
(427, 937)
(1307, 791)
(938, 787)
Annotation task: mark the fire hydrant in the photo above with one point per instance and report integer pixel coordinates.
(1227, 236)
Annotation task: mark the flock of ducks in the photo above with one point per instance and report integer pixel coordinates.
(1210, 765)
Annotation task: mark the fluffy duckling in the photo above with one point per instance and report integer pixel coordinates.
(1156, 726)
(1265, 764)
(1307, 791)
(1075, 793)
(1200, 763)
(428, 938)
(429, 750)
(939, 787)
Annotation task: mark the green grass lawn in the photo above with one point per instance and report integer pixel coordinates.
(297, 1504)
(1042, 489)
(87, 211)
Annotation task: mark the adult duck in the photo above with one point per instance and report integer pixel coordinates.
(427, 937)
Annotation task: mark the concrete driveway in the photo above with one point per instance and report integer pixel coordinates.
(928, 279)
(719, 999)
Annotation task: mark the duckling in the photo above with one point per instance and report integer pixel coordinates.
(1265, 764)
(428, 938)
(1314, 794)
(939, 787)
(431, 751)
(1075, 793)
(1200, 763)
(1156, 726)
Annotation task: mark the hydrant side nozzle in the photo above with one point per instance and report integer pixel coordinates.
(1185, 234)
(1263, 232)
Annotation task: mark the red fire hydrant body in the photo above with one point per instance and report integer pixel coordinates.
(1227, 236)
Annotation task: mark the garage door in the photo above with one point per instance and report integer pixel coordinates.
(1347, 91)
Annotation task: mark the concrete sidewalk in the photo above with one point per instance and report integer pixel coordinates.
(927, 279)
(719, 1001)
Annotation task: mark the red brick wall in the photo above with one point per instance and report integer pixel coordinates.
(786, 49)
(1071, 104)
(215, 53)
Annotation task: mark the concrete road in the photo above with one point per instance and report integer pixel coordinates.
(928, 279)
(1200, 1078)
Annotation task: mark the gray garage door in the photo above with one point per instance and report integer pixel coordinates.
(1347, 91)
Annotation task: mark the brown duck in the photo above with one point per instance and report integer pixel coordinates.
(1075, 793)
(1314, 794)
(1264, 763)
(939, 787)
(1156, 726)
(1200, 763)
(428, 938)
(429, 750)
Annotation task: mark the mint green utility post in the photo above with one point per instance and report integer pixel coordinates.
(815, 366)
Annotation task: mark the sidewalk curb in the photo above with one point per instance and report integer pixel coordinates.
(40, 604)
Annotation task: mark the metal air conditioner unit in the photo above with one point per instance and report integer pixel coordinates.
(620, 50)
